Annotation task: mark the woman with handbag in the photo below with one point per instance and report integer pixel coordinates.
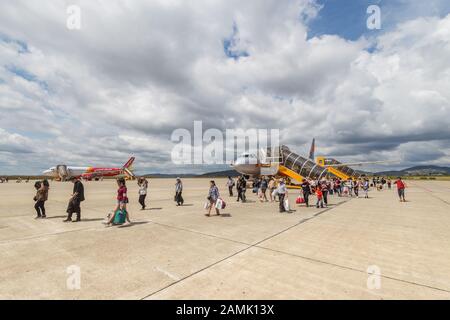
(213, 196)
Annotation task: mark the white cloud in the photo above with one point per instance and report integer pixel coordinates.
(138, 70)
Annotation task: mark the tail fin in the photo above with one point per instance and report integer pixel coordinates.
(129, 163)
(313, 149)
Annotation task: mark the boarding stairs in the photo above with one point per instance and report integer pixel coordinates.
(62, 171)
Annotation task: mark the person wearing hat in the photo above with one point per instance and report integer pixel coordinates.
(75, 200)
(178, 191)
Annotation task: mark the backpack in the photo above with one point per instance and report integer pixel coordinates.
(119, 217)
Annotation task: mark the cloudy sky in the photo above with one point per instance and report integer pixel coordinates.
(138, 70)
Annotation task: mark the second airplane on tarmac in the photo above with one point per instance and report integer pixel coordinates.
(64, 172)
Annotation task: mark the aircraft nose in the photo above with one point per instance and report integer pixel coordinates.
(47, 172)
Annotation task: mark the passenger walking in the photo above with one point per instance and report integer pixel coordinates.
(271, 185)
(230, 185)
(122, 200)
(366, 187)
(241, 188)
(143, 186)
(324, 188)
(349, 186)
(282, 193)
(256, 185)
(401, 186)
(319, 195)
(122, 196)
(389, 183)
(45, 189)
(213, 196)
(306, 190)
(178, 192)
(357, 185)
(40, 200)
(75, 200)
(330, 187)
(338, 187)
(263, 189)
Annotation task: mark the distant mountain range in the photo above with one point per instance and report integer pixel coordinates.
(425, 170)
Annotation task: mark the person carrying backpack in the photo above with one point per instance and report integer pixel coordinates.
(40, 199)
(121, 208)
(75, 200)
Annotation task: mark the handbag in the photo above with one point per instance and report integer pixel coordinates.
(286, 205)
(119, 217)
(274, 193)
(300, 200)
(219, 203)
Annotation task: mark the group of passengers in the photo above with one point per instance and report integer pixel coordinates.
(277, 189)
(379, 183)
(321, 189)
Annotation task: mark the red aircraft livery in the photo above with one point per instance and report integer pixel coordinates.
(64, 172)
(92, 172)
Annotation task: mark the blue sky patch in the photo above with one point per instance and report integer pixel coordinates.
(27, 76)
(23, 47)
(348, 18)
(231, 43)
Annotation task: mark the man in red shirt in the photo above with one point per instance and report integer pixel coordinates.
(400, 189)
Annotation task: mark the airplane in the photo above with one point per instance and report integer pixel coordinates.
(64, 172)
(293, 166)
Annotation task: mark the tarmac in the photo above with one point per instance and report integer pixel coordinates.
(357, 248)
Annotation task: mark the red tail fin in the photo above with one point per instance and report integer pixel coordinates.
(129, 163)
